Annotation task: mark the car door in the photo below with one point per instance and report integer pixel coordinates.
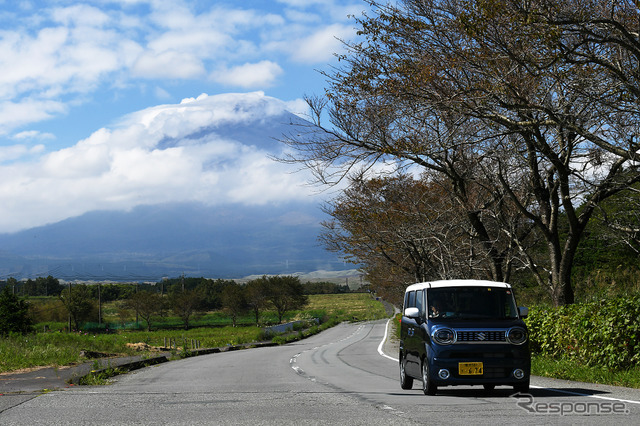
(420, 332)
(409, 328)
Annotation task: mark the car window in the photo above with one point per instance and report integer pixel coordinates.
(471, 303)
(411, 303)
(420, 301)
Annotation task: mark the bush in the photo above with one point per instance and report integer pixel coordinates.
(14, 314)
(604, 333)
(48, 310)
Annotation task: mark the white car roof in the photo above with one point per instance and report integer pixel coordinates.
(457, 283)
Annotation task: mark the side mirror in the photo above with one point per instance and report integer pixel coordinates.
(523, 311)
(412, 313)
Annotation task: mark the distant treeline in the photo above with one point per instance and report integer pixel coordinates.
(185, 297)
(210, 288)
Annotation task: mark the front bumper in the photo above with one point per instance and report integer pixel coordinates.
(499, 363)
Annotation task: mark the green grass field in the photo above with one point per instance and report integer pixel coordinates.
(567, 370)
(57, 348)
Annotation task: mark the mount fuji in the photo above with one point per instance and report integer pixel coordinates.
(188, 188)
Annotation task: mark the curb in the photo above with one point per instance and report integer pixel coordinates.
(79, 376)
(127, 366)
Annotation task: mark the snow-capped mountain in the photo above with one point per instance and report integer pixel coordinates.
(184, 188)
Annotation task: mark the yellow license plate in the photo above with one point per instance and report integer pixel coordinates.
(470, 368)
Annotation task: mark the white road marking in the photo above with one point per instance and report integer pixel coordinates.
(384, 339)
(608, 398)
(300, 371)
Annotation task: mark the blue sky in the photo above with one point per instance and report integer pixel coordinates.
(76, 73)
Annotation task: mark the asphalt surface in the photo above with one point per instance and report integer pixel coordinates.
(17, 388)
(52, 378)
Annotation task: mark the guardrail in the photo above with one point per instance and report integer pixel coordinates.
(290, 326)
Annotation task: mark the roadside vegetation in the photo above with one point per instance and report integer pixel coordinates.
(568, 369)
(596, 341)
(50, 343)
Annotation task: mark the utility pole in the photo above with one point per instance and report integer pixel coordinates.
(137, 325)
(99, 304)
(69, 306)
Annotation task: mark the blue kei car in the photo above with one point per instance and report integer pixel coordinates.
(463, 332)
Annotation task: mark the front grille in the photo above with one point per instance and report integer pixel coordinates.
(495, 373)
(480, 336)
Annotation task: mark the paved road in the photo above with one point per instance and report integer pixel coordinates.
(336, 377)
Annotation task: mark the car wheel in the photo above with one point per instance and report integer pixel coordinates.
(406, 382)
(427, 384)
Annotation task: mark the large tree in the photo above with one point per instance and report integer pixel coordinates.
(185, 304)
(410, 228)
(286, 293)
(78, 303)
(255, 293)
(490, 94)
(233, 301)
(147, 304)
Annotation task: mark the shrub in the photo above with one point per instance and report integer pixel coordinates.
(14, 314)
(48, 310)
(604, 333)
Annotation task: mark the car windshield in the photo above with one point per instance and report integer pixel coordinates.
(471, 303)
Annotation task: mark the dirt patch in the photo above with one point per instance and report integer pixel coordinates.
(25, 370)
(141, 346)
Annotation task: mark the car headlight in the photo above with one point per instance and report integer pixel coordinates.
(517, 335)
(444, 336)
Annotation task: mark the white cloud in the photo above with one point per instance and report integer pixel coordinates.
(249, 76)
(59, 59)
(26, 111)
(168, 64)
(156, 155)
(304, 3)
(33, 135)
(300, 108)
(61, 54)
(13, 152)
(250, 186)
(161, 93)
(80, 15)
(321, 45)
(193, 40)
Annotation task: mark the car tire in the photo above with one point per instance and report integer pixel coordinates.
(428, 387)
(406, 382)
